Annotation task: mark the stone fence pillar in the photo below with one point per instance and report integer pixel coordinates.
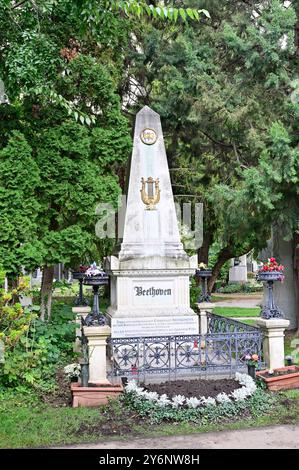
(273, 343)
(81, 312)
(203, 309)
(97, 344)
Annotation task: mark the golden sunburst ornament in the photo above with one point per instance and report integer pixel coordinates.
(148, 136)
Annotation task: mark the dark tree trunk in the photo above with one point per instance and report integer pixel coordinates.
(12, 283)
(46, 292)
(203, 251)
(224, 255)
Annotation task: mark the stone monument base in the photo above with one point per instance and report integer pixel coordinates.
(133, 327)
(150, 297)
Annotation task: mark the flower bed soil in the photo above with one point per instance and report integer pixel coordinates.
(113, 424)
(62, 395)
(194, 388)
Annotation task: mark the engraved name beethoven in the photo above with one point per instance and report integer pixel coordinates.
(151, 291)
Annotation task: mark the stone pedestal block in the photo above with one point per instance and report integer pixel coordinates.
(273, 343)
(97, 344)
(203, 309)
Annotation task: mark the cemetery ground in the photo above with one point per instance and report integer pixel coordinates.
(27, 421)
(36, 419)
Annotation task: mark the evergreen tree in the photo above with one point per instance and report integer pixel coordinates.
(220, 87)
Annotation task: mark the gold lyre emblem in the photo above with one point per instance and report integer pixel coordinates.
(151, 197)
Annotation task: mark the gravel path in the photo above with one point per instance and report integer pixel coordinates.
(244, 303)
(272, 437)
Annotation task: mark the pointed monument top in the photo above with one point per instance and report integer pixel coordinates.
(147, 110)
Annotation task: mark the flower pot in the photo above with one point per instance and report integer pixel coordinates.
(94, 395)
(283, 378)
(251, 370)
(203, 275)
(270, 310)
(266, 276)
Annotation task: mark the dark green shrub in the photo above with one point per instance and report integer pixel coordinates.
(46, 346)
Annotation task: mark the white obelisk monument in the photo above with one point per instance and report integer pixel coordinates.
(150, 275)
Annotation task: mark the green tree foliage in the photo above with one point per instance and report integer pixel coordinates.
(222, 87)
(62, 87)
(31, 35)
(62, 62)
(19, 206)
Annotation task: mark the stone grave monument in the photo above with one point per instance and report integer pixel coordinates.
(150, 274)
(238, 270)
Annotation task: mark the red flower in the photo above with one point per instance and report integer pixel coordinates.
(271, 266)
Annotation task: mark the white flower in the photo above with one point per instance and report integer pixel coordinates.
(131, 386)
(248, 387)
(209, 401)
(140, 392)
(178, 400)
(73, 370)
(193, 402)
(152, 396)
(239, 394)
(163, 400)
(222, 398)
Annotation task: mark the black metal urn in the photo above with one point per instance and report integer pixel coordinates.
(79, 276)
(270, 310)
(203, 275)
(95, 317)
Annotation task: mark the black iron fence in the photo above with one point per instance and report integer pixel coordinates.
(219, 324)
(221, 350)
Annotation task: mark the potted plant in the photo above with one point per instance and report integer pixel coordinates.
(283, 378)
(269, 273)
(252, 364)
(73, 371)
(271, 270)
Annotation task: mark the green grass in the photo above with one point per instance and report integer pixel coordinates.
(42, 425)
(25, 422)
(249, 322)
(237, 311)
